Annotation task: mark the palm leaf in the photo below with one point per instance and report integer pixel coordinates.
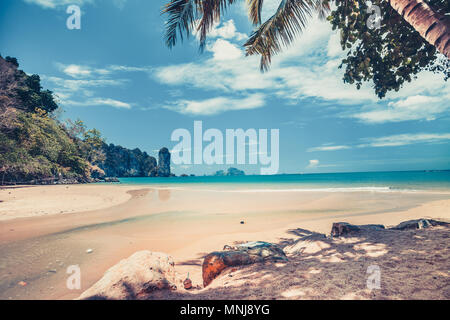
(323, 7)
(210, 12)
(182, 16)
(282, 28)
(254, 11)
(188, 15)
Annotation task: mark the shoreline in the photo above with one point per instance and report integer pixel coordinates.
(29, 201)
(34, 201)
(151, 220)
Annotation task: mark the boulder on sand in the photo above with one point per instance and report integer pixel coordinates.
(419, 224)
(243, 254)
(413, 224)
(342, 228)
(135, 277)
(309, 245)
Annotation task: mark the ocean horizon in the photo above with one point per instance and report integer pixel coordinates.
(381, 181)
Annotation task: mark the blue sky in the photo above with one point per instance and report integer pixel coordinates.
(117, 75)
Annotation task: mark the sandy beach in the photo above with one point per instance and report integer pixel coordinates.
(44, 229)
(33, 201)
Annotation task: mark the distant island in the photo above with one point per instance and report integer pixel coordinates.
(229, 172)
(37, 148)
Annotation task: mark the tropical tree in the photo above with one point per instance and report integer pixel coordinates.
(432, 25)
(390, 54)
(423, 24)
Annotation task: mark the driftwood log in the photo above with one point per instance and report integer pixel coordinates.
(244, 254)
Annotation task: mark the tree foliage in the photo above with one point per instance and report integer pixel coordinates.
(36, 147)
(33, 145)
(389, 56)
(33, 97)
(39, 148)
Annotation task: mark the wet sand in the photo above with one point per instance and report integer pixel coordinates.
(184, 222)
(35, 201)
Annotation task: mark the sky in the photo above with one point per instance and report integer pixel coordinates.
(117, 75)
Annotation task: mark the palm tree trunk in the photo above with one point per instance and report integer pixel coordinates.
(432, 26)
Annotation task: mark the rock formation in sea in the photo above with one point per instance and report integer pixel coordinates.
(123, 162)
(163, 163)
(230, 172)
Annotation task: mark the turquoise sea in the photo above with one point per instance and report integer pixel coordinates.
(354, 181)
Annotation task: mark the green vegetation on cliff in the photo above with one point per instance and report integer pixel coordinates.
(37, 148)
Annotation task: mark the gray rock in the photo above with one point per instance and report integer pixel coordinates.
(310, 244)
(123, 162)
(136, 277)
(413, 224)
(342, 228)
(230, 172)
(164, 163)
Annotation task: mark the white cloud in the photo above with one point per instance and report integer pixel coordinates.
(80, 71)
(82, 85)
(83, 71)
(120, 3)
(269, 8)
(80, 88)
(216, 105)
(313, 163)
(100, 102)
(328, 148)
(226, 30)
(129, 68)
(83, 90)
(54, 4)
(76, 71)
(390, 141)
(307, 69)
(334, 45)
(417, 107)
(405, 139)
(224, 50)
(228, 70)
(230, 75)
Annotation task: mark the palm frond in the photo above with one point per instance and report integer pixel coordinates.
(182, 16)
(254, 11)
(323, 7)
(210, 12)
(281, 29)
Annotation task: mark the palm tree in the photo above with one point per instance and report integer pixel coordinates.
(289, 21)
(431, 25)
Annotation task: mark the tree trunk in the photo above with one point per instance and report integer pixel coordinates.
(432, 26)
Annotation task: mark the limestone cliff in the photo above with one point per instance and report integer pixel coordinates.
(123, 162)
(163, 163)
